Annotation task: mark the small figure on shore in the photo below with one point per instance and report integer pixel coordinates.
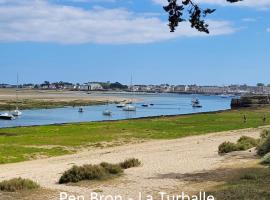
(264, 119)
(245, 118)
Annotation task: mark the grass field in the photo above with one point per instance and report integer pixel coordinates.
(24, 143)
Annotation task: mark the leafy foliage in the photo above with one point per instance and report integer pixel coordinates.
(195, 13)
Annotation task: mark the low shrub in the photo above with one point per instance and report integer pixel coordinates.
(264, 146)
(85, 172)
(227, 147)
(112, 168)
(243, 144)
(265, 133)
(266, 159)
(129, 163)
(96, 172)
(247, 142)
(17, 184)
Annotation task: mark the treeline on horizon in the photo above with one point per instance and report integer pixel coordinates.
(61, 84)
(105, 85)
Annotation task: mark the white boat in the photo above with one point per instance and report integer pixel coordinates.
(6, 116)
(107, 113)
(80, 110)
(224, 96)
(129, 108)
(16, 112)
(196, 103)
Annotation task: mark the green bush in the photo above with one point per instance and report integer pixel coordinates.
(17, 184)
(266, 159)
(112, 168)
(129, 163)
(265, 133)
(243, 144)
(247, 142)
(227, 147)
(85, 172)
(96, 172)
(264, 146)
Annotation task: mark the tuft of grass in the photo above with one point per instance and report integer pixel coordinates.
(227, 147)
(264, 146)
(85, 172)
(249, 186)
(266, 159)
(243, 144)
(112, 168)
(129, 163)
(265, 133)
(17, 184)
(96, 172)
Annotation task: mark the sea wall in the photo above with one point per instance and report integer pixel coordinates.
(250, 101)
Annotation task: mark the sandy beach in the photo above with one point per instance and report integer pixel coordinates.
(165, 164)
(54, 95)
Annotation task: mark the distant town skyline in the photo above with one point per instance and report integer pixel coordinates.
(131, 37)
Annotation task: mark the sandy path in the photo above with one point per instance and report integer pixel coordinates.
(161, 160)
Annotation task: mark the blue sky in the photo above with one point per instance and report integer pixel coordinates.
(108, 40)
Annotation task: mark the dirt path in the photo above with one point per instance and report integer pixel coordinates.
(162, 160)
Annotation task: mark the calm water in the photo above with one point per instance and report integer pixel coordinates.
(164, 104)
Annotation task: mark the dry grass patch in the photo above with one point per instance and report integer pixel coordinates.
(97, 172)
(17, 184)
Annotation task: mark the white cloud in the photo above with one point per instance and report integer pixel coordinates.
(244, 3)
(249, 19)
(40, 21)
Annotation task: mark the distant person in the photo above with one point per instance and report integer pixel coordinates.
(264, 119)
(245, 118)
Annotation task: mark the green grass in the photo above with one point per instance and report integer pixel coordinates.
(248, 186)
(84, 134)
(17, 153)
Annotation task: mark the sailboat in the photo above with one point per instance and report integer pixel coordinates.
(107, 112)
(7, 116)
(196, 103)
(16, 112)
(80, 109)
(130, 107)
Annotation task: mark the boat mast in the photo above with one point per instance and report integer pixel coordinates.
(17, 88)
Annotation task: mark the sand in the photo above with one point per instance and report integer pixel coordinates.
(54, 95)
(164, 162)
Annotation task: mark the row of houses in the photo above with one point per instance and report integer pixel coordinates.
(165, 88)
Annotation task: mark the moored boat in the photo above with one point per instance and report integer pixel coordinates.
(6, 116)
(129, 108)
(196, 103)
(16, 112)
(107, 113)
(80, 110)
